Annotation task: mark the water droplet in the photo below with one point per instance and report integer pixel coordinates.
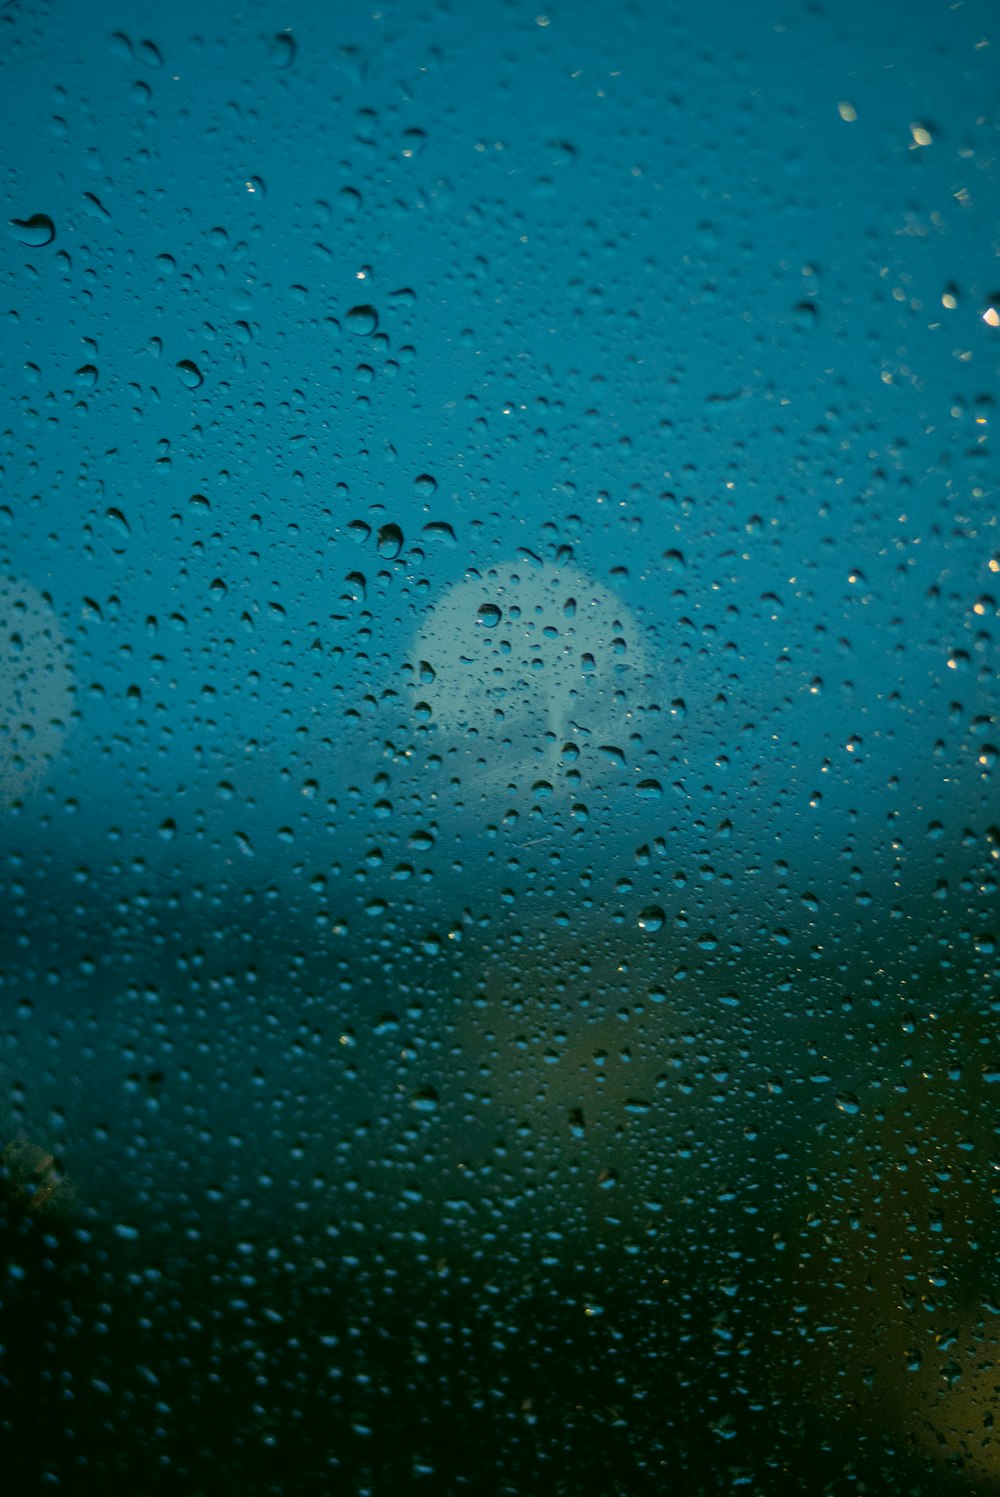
(414, 142)
(118, 523)
(651, 918)
(390, 541)
(351, 61)
(95, 208)
(281, 50)
(36, 231)
(362, 320)
(357, 588)
(489, 615)
(190, 374)
(440, 530)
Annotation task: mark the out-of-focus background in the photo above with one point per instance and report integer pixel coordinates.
(499, 575)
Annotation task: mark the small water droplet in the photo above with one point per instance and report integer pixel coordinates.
(413, 143)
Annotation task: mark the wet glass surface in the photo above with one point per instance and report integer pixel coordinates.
(499, 574)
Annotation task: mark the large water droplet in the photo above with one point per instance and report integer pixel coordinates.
(190, 374)
(390, 541)
(362, 320)
(36, 231)
(281, 50)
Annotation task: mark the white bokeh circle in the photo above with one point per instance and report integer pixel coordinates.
(535, 668)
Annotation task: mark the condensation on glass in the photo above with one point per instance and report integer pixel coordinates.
(499, 577)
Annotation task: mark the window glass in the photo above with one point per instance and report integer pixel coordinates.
(499, 575)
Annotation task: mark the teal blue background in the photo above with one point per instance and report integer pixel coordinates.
(646, 304)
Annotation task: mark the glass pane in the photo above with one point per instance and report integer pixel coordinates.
(499, 577)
